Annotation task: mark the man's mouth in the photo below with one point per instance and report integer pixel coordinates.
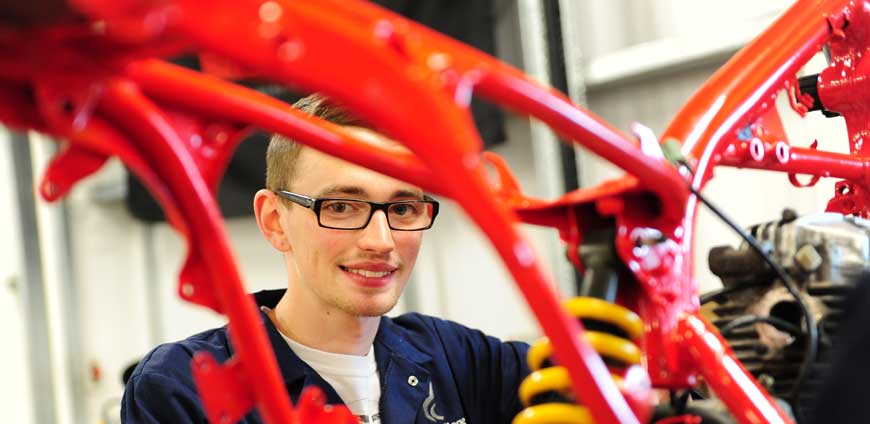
(366, 273)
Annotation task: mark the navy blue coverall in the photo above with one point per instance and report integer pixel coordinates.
(431, 371)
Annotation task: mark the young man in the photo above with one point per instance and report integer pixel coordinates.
(349, 237)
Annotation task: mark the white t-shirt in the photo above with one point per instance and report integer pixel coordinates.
(354, 378)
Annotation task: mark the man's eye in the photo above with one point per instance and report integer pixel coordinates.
(405, 209)
(339, 207)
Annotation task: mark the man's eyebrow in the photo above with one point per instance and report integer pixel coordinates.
(362, 193)
(342, 189)
(416, 194)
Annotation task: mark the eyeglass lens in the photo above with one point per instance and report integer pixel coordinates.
(411, 215)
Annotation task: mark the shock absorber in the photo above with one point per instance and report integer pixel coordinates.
(611, 329)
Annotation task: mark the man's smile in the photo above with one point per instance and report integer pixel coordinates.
(370, 274)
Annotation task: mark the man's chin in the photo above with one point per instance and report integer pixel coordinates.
(370, 308)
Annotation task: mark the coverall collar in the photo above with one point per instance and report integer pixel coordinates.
(404, 380)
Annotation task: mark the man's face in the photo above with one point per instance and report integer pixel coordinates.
(360, 272)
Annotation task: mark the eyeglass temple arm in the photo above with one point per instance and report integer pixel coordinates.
(296, 198)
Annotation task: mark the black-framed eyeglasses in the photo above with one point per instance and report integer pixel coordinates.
(354, 214)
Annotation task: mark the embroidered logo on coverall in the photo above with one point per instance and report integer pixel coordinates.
(429, 407)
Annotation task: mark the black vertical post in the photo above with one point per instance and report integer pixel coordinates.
(559, 81)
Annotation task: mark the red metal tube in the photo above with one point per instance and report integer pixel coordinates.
(137, 115)
(558, 112)
(802, 160)
(229, 102)
(739, 91)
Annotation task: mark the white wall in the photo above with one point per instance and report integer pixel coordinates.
(15, 389)
(610, 26)
(109, 268)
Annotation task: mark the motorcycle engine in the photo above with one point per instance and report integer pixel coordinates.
(825, 254)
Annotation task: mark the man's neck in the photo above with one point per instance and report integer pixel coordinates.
(324, 328)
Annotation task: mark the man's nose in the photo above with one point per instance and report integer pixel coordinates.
(377, 236)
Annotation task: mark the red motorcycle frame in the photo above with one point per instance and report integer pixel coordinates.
(89, 74)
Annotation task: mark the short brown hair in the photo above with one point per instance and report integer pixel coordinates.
(283, 153)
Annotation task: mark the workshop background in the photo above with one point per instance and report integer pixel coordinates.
(86, 288)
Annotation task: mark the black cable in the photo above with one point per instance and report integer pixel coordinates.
(744, 321)
(812, 329)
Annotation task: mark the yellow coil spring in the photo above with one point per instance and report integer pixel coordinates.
(555, 378)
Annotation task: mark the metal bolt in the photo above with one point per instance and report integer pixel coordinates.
(808, 258)
(766, 381)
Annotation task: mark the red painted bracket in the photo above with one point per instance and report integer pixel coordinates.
(227, 396)
(508, 188)
(312, 408)
(71, 165)
(850, 198)
(799, 102)
(233, 399)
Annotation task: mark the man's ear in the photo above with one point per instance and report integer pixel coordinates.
(267, 210)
